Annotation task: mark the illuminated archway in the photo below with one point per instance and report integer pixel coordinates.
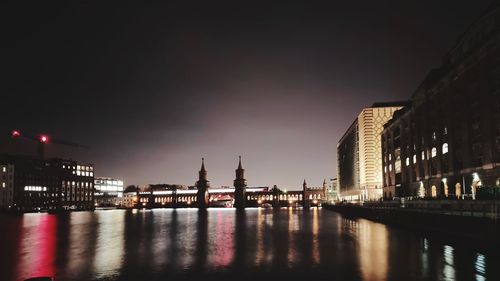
(433, 191)
(458, 190)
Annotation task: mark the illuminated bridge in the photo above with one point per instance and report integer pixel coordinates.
(240, 196)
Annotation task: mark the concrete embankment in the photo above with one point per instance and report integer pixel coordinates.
(466, 224)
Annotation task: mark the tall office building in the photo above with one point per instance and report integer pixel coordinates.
(359, 153)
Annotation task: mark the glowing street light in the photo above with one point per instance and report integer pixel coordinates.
(44, 139)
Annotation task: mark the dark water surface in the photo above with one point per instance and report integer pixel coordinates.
(265, 244)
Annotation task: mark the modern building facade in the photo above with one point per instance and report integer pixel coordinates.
(359, 163)
(33, 184)
(108, 191)
(332, 192)
(447, 142)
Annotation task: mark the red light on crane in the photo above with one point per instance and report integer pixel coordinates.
(16, 134)
(44, 138)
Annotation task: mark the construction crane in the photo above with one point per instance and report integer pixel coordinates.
(44, 140)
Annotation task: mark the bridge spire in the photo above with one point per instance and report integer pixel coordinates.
(305, 196)
(202, 185)
(240, 185)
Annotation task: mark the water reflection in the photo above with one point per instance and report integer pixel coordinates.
(165, 244)
(109, 248)
(38, 245)
(372, 250)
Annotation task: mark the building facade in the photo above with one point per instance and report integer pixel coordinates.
(108, 192)
(33, 184)
(332, 192)
(447, 142)
(359, 163)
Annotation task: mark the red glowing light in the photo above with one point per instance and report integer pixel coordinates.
(15, 134)
(44, 138)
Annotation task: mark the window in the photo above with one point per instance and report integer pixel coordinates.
(390, 157)
(433, 135)
(423, 155)
(407, 161)
(414, 159)
(433, 152)
(385, 169)
(4, 169)
(390, 167)
(3, 184)
(445, 131)
(445, 148)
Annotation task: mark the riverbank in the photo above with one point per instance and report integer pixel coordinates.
(483, 230)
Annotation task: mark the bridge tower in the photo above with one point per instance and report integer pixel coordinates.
(202, 185)
(240, 184)
(325, 191)
(276, 197)
(305, 196)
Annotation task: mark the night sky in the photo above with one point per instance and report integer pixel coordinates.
(152, 89)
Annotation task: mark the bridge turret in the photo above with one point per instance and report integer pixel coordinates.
(202, 185)
(325, 190)
(305, 196)
(240, 185)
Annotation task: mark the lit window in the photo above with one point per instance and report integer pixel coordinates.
(385, 169)
(445, 148)
(390, 167)
(433, 152)
(390, 157)
(423, 155)
(3, 184)
(4, 169)
(433, 135)
(414, 158)
(407, 161)
(445, 131)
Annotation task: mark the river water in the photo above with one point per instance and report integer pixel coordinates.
(222, 244)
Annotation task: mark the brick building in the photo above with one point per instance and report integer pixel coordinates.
(447, 142)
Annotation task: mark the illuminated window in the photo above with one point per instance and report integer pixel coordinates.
(433, 135)
(4, 169)
(433, 152)
(390, 157)
(414, 158)
(445, 148)
(3, 184)
(407, 161)
(423, 155)
(385, 169)
(390, 167)
(445, 131)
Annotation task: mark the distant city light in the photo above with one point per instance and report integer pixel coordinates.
(44, 138)
(16, 133)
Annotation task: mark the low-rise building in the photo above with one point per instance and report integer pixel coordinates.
(108, 191)
(33, 184)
